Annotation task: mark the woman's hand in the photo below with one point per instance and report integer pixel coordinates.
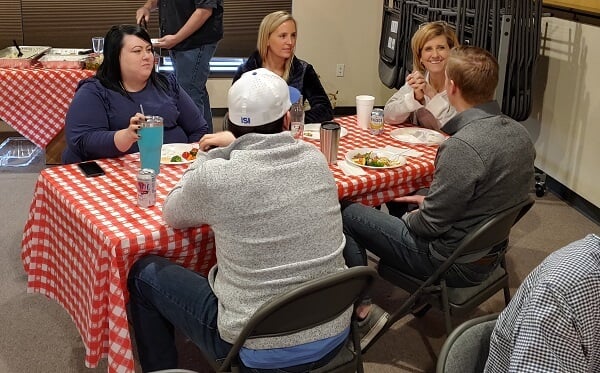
(126, 137)
(429, 90)
(417, 82)
(135, 123)
(212, 140)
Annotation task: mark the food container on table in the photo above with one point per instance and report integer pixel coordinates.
(17, 152)
(9, 55)
(69, 52)
(55, 61)
(65, 58)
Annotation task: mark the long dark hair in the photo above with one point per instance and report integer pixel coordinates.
(109, 72)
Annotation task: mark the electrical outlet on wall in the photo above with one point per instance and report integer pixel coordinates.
(339, 70)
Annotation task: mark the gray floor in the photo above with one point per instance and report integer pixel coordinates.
(39, 336)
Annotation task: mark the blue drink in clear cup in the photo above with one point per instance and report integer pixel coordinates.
(150, 142)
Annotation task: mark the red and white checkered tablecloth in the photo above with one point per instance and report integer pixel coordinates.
(380, 186)
(83, 234)
(34, 101)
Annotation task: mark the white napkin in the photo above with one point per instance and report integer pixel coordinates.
(349, 169)
(409, 138)
(405, 152)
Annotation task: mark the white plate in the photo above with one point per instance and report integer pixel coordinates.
(169, 150)
(312, 131)
(378, 152)
(418, 135)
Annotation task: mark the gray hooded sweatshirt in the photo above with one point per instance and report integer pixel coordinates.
(272, 203)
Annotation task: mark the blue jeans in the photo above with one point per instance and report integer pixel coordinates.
(389, 238)
(164, 296)
(192, 68)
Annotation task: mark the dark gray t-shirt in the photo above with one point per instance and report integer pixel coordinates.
(174, 14)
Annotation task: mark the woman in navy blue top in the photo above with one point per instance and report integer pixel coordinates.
(104, 116)
(276, 45)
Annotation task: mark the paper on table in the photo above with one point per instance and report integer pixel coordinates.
(350, 169)
(406, 152)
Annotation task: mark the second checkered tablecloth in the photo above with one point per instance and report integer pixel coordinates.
(34, 101)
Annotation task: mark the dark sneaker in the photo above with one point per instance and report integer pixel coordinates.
(372, 325)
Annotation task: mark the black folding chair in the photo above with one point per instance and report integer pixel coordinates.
(434, 291)
(311, 304)
(466, 349)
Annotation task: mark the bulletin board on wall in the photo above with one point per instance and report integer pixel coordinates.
(591, 7)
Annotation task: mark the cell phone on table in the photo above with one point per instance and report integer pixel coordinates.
(91, 169)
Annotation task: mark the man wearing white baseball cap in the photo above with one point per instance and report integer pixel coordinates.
(272, 204)
(257, 104)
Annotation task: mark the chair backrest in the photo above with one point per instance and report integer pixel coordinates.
(391, 69)
(466, 349)
(493, 231)
(311, 304)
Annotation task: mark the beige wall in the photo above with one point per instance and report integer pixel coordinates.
(332, 32)
(217, 90)
(564, 122)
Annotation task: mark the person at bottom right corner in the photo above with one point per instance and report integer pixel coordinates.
(553, 322)
(483, 168)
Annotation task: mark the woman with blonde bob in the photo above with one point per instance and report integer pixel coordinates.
(424, 93)
(275, 51)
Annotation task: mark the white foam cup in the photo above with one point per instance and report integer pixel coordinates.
(364, 106)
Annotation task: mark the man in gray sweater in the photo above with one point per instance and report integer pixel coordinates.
(483, 168)
(272, 204)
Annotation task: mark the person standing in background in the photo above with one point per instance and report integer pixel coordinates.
(190, 30)
(275, 51)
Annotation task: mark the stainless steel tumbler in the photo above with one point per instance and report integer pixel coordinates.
(330, 141)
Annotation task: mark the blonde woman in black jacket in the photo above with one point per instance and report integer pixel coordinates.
(275, 51)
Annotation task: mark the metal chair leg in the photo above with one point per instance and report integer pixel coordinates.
(356, 345)
(506, 289)
(506, 295)
(446, 306)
